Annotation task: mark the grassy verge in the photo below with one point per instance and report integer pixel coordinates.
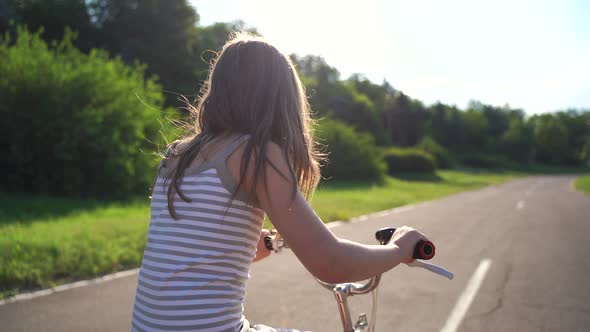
(342, 201)
(48, 241)
(66, 240)
(583, 184)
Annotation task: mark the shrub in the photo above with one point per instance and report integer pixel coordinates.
(442, 157)
(408, 160)
(351, 154)
(75, 123)
(486, 161)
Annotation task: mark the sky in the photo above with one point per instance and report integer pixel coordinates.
(533, 55)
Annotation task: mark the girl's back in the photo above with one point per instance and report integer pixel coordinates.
(203, 234)
(194, 270)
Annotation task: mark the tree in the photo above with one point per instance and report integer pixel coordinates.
(446, 126)
(159, 33)
(406, 119)
(325, 91)
(578, 129)
(75, 123)
(476, 129)
(551, 139)
(207, 42)
(516, 142)
(53, 16)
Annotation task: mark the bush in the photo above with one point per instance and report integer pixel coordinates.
(486, 161)
(442, 156)
(74, 123)
(409, 161)
(351, 154)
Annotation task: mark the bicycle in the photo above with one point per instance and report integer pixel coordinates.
(424, 250)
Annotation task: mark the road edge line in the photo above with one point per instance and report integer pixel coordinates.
(62, 288)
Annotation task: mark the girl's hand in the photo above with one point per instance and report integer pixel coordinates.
(261, 250)
(405, 238)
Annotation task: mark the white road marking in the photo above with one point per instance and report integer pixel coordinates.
(359, 219)
(404, 209)
(466, 298)
(382, 213)
(378, 214)
(334, 224)
(520, 205)
(58, 289)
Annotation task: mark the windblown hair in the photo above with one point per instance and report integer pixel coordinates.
(253, 89)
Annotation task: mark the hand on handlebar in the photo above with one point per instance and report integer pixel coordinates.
(262, 251)
(406, 238)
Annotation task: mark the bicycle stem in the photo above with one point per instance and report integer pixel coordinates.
(343, 291)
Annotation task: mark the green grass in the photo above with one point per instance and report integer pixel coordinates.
(583, 184)
(66, 240)
(50, 241)
(342, 201)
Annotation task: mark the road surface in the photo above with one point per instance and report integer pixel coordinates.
(531, 234)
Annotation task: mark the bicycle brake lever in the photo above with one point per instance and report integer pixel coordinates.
(275, 243)
(432, 268)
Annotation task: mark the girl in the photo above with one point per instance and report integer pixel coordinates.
(252, 153)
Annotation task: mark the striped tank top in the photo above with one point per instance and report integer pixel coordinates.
(194, 269)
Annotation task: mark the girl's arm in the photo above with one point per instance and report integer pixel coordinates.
(323, 254)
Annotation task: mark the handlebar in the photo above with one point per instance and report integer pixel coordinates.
(424, 250)
(353, 288)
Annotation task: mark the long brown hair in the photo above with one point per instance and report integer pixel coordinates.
(253, 89)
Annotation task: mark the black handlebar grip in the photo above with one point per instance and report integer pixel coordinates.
(384, 235)
(268, 243)
(423, 249)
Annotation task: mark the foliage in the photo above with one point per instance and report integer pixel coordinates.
(66, 239)
(405, 118)
(475, 127)
(166, 37)
(442, 157)
(408, 160)
(517, 141)
(159, 33)
(583, 184)
(483, 160)
(163, 34)
(351, 154)
(550, 139)
(52, 16)
(75, 124)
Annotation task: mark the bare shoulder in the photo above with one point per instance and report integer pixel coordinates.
(176, 146)
(274, 155)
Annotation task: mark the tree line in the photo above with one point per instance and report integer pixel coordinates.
(164, 40)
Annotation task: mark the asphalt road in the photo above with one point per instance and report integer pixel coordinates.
(535, 232)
